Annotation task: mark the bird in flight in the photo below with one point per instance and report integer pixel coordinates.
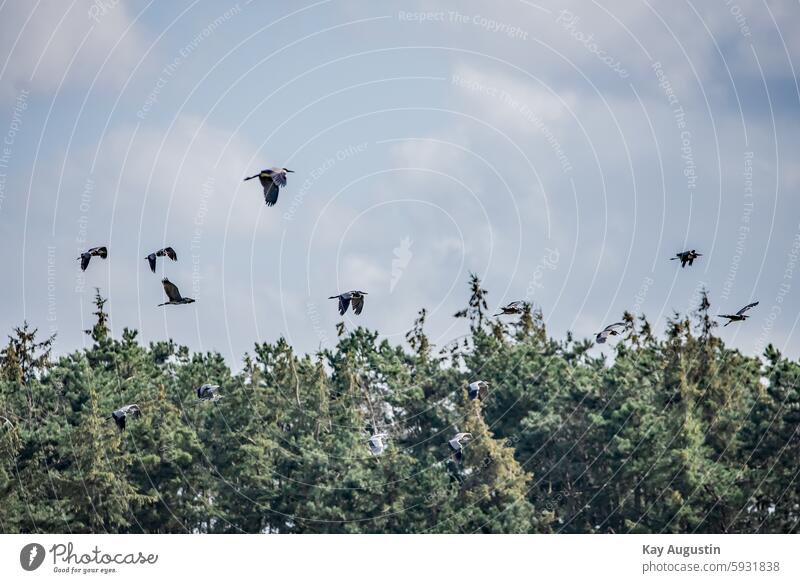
(173, 294)
(516, 307)
(477, 389)
(272, 179)
(86, 256)
(207, 392)
(686, 257)
(377, 444)
(610, 330)
(165, 252)
(355, 296)
(738, 316)
(457, 444)
(120, 415)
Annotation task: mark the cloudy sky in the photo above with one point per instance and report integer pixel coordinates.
(562, 151)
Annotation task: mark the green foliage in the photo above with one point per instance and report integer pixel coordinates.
(679, 434)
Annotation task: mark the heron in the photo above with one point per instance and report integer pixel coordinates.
(686, 257)
(738, 316)
(516, 307)
(376, 443)
(207, 392)
(165, 252)
(173, 294)
(354, 296)
(272, 179)
(457, 444)
(610, 330)
(477, 389)
(86, 256)
(120, 415)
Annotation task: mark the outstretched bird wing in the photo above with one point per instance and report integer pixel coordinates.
(85, 259)
(119, 419)
(270, 188)
(612, 327)
(747, 307)
(279, 176)
(169, 252)
(358, 304)
(151, 259)
(171, 290)
(344, 302)
(603, 335)
(99, 251)
(132, 410)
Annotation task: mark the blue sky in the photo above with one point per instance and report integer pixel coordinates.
(562, 151)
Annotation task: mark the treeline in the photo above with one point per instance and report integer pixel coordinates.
(674, 434)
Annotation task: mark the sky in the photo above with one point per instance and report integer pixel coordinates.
(563, 151)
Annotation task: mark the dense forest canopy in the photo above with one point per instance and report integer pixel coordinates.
(673, 434)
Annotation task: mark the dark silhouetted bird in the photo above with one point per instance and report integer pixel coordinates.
(165, 252)
(376, 443)
(686, 257)
(208, 392)
(513, 308)
(738, 316)
(86, 256)
(610, 330)
(457, 444)
(355, 296)
(272, 179)
(173, 294)
(120, 415)
(477, 389)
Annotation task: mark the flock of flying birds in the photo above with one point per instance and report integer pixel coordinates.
(272, 180)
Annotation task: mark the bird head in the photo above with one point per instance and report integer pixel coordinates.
(287, 170)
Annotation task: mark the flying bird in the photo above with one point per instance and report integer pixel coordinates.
(457, 444)
(356, 296)
(207, 392)
(376, 443)
(610, 330)
(513, 308)
(165, 252)
(173, 294)
(738, 316)
(272, 179)
(686, 257)
(120, 415)
(477, 389)
(86, 256)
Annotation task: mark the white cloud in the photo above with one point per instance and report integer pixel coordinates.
(42, 41)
